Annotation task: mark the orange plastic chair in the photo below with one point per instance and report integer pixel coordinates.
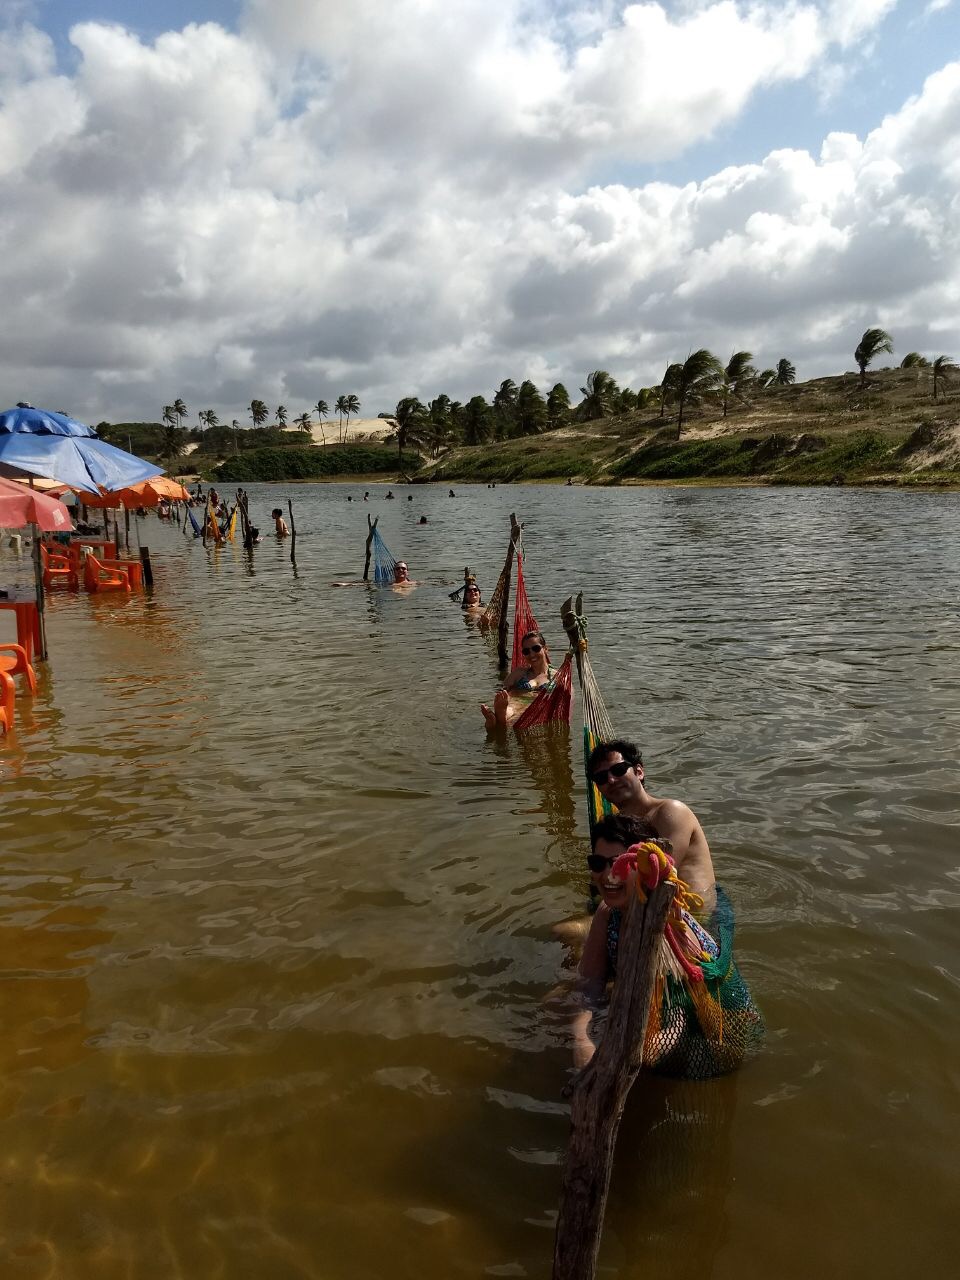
(133, 569)
(14, 662)
(58, 568)
(8, 698)
(97, 578)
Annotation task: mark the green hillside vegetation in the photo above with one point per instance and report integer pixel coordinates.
(704, 422)
(313, 463)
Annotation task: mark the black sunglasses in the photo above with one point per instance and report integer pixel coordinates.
(615, 771)
(597, 862)
(534, 648)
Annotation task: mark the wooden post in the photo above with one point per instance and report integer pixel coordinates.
(126, 527)
(366, 563)
(106, 524)
(293, 534)
(505, 614)
(206, 519)
(147, 566)
(601, 1089)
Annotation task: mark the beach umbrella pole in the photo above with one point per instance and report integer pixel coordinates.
(38, 582)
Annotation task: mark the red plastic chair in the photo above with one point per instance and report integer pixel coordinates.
(132, 568)
(14, 662)
(8, 698)
(59, 568)
(97, 578)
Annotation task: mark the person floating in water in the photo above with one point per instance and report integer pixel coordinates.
(422, 520)
(451, 494)
(389, 493)
(279, 524)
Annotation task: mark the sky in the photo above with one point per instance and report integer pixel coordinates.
(290, 200)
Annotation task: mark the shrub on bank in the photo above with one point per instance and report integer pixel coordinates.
(314, 464)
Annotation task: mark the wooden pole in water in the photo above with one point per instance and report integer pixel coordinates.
(293, 534)
(504, 626)
(601, 1089)
(147, 566)
(366, 563)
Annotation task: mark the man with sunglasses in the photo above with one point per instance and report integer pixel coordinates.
(616, 769)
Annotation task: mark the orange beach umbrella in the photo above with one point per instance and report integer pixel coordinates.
(148, 493)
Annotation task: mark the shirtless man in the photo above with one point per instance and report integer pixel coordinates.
(617, 770)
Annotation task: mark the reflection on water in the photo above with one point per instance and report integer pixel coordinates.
(275, 913)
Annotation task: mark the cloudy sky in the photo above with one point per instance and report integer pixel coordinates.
(293, 199)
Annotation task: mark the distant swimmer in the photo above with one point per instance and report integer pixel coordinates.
(451, 494)
(279, 524)
(409, 497)
(349, 497)
(422, 520)
(366, 495)
(389, 493)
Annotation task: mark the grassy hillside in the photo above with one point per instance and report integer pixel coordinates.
(313, 464)
(827, 431)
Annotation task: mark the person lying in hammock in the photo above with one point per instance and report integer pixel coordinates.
(522, 684)
(472, 600)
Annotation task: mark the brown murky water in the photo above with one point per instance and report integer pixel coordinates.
(274, 914)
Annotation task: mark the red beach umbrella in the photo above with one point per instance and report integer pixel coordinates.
(20, 506)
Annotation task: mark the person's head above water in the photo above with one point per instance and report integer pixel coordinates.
(400, 572)
(616, 769)
(610, 839)
(471, 596)
(534, 648)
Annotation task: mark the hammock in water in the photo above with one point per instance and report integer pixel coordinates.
(552, 702)
(703, 1020)
(384, 563)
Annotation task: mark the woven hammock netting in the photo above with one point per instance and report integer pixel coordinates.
(383, 561)
(698, 1030)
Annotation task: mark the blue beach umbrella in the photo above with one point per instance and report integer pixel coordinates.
(58, 447)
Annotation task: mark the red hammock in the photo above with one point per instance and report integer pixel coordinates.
(523, 620)
(551, 703)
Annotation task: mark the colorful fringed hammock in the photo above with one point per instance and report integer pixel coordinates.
(703, 1020)
(552, 702)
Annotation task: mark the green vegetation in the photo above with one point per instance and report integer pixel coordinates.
(313, 464)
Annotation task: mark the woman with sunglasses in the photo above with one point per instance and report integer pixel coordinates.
(523, 683)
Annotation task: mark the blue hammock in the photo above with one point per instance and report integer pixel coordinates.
(384, 562)
(197, 531)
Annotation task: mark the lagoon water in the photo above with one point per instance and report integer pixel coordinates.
(275, 914)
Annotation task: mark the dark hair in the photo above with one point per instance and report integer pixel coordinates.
(537, 635)
(628, 750)
(620, 828)
(277, 511)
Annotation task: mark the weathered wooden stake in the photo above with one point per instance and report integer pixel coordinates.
(147, 566)
(601, 1090)
(505, 613)
(366, 563)
(293, 534)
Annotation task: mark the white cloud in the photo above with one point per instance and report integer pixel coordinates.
(396, 199)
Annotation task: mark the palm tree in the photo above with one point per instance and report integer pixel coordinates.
(236, 441)
(172, 442)
(531, 409)
(180, 409)
(598, 395)
(476, 424)
(211, 419)
(169, 415)
(942, 367)
(914, 360)
(322, 410)
(353, 407)
(786, 374)
(259, 412)
(870, 345)
(737, 376)
(505, 407)
(303, 422)
(411, 418)
(700, 375)
(281, 415)
(767, 378)
(341, 408)
(558, 406)
(668, 386)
